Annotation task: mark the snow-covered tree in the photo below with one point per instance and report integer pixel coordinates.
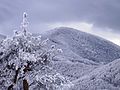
(25, 62)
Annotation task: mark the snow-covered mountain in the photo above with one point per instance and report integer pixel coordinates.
(106, 77)
(90, 62)
(84, 45)
(87, 62)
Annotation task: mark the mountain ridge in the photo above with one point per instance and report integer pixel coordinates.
(84, 44)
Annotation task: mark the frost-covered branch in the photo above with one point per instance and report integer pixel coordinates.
(26, 59)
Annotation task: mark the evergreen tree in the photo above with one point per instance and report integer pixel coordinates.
(25, 63)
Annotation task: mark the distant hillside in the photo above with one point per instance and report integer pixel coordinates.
(84, 45)
(106, 77)
(90, 62)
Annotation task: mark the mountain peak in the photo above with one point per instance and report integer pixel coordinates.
(84, 44)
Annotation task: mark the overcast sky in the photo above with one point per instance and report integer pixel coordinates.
(99, 17)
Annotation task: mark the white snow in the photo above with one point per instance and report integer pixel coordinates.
(86, 59)
(86, 62)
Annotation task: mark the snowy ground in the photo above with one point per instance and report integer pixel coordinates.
(88, 61)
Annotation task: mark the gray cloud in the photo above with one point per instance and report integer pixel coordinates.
(101, 13)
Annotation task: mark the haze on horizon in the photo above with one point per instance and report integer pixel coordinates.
(99, 17)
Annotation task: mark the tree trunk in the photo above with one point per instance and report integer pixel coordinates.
(16, 75)
(25, 85)
(14, 80)
(10, 87)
